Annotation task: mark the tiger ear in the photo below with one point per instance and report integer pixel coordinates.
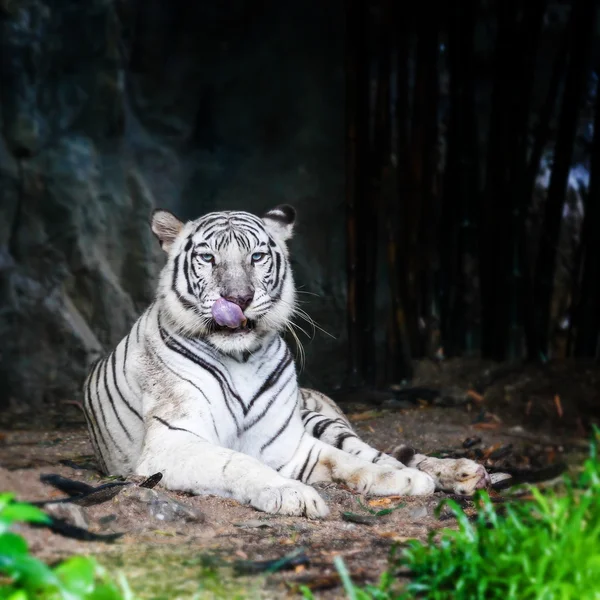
(166, 227)
(279, 221)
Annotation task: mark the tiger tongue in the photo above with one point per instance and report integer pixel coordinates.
(228, 314)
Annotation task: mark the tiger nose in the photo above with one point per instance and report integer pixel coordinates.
(243, 301)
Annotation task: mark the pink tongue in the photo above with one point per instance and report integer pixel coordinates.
(228, 314)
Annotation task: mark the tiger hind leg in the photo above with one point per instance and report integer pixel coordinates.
(324, 420)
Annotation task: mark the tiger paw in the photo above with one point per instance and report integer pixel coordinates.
(400, 482)
(456, 476)
(293, 498)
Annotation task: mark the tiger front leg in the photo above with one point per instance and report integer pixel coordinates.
(202, 467)
(316, 461)
(457, 476)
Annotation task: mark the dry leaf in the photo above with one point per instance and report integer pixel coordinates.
(364, 416)
(491, 449)
(558, 406)
(474, 396)
(380, 502)
(395, 536)
(486, 426)
(299, 568)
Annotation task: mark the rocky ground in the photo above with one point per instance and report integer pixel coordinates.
(173, 543)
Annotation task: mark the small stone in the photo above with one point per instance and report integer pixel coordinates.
(253, 524)
(71, 513)
(107, 520)
(419, 512)
(161, 506)
(498, 477)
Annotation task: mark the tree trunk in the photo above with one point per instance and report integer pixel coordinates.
(399, 364)
(542, 132)
(426, 97)
(497, 225)
(356, 145)
(519, 277)
(460, 187)
(582, 34)
(379, 165)
(587, 313)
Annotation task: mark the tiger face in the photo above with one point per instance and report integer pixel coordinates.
(227, 277)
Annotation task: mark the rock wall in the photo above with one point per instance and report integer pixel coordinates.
(110, 108)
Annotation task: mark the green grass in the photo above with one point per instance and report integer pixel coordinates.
(160, 573)
(24, 577)
(544, 549)
(547, 548)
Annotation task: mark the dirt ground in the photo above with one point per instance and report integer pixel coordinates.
(173, 543)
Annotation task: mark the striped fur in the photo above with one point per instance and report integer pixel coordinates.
(219, 411)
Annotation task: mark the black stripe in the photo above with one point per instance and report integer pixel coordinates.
(173, 428)
(214, 371)
(186, 273)
(175, 346)
(137, 330)
(322, 426)
(279, 431)
(277, 267)
(125, 354)
(314, 465)
(271, 380)
(295, 452)
(183, 301)
(276, 295)
(94, 440)
(112, 402)
(114, 373)
(314, 414)
(166, 366)
(241, 241)
(270, 403)
(102, 413)
(227, 464)
(90, 405)
(216, 228)
(210, 219)
(342, 438)
(304, 465)
(92, 421)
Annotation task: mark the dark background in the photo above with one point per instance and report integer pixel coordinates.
(438, 154)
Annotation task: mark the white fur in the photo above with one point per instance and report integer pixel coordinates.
(222, 413)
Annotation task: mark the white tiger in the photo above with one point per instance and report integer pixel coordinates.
(217, 408)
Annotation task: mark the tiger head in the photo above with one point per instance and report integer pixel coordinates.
(227, 278)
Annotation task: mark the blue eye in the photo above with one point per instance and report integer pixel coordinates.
(207, 258)
(257, 257)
